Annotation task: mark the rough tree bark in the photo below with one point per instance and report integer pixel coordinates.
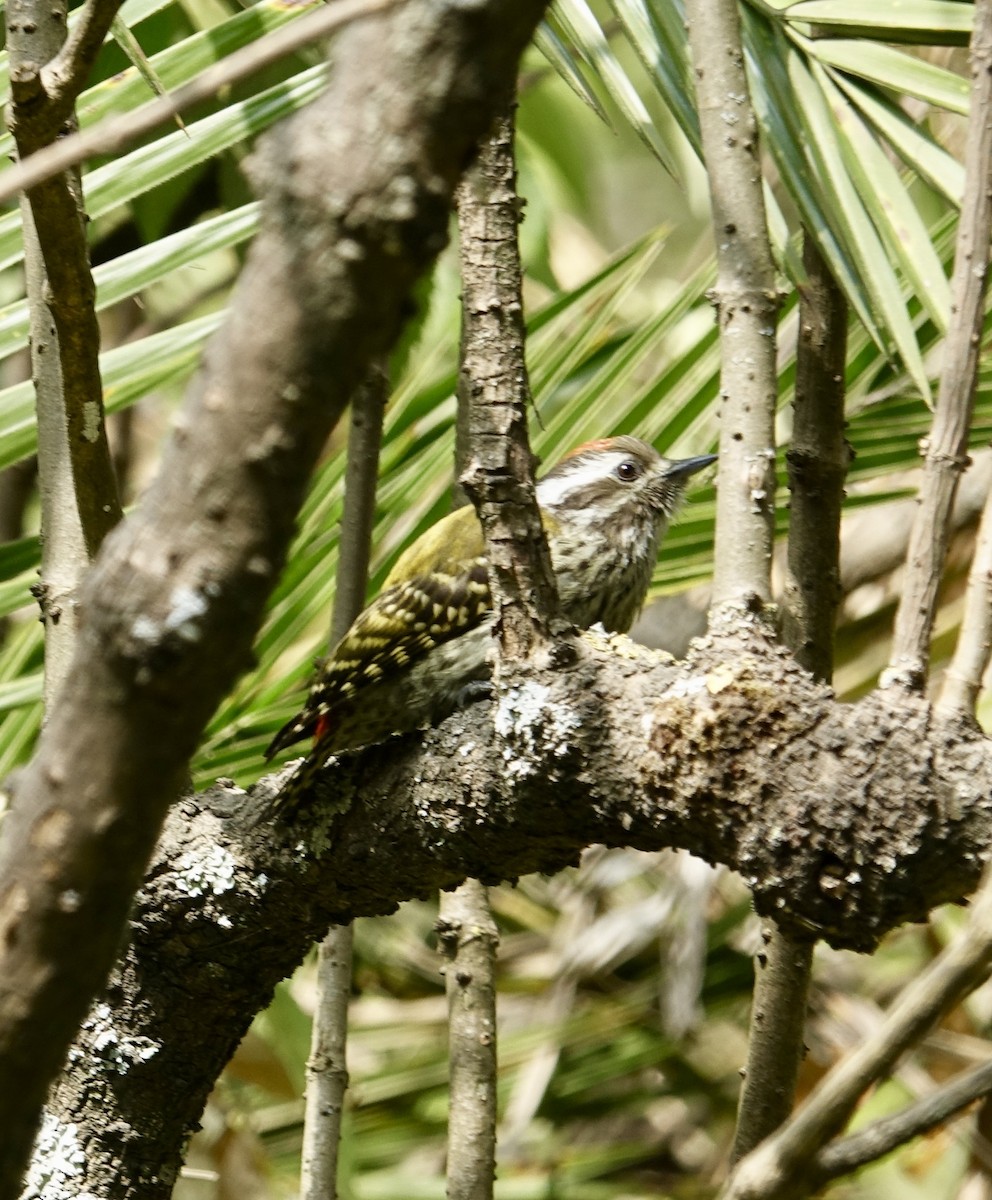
(845, 820)
(352, 214)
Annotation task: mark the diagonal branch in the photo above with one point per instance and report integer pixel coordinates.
(352, 214)
(945, 449)
(735, 756)
(65, 76)
(883, 1136)
(778, 1169)
(116, 133)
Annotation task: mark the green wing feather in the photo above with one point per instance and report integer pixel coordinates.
(438, 589)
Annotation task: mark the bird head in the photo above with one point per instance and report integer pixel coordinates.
(615, 474)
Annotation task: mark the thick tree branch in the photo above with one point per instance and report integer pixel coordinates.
(352, 214)
(735, 755)
(946, 448)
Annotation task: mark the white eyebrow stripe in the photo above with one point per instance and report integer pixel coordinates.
(555, 489)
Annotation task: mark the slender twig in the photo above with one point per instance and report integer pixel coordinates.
(368, 410)
(116, 133)
(77, 483)
(469, 940)
(65, 76)
(746, 301)
(775, 1038)
(963, 680)
(885, 1135)
(70, 302)
(327, 1066)
(817, 462)
(946, 446)
(778, 1168)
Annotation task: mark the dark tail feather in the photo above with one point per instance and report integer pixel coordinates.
(293, 731)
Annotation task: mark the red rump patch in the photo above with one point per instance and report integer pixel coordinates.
(322, 728)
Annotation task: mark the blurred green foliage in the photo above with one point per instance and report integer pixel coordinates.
(624, 984)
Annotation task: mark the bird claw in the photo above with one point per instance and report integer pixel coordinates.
(472, 692)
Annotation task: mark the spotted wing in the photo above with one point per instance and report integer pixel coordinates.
(397, 630)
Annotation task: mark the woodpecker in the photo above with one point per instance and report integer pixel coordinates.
(428, 634)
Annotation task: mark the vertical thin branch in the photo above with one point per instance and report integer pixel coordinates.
(945, 449)
(817, 461)
(368, 410)
(775, 1049)
(76, 477)
(64, 554)
(327, 1067)
(746, 300)
(469, 940)
(779, 1166)
(963, 680)
(495, 467)
(497, 470)
(817, 465)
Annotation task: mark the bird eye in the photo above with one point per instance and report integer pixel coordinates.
(628, 470)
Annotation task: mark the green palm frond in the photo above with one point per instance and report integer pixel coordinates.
(630, 348)
(822, 77)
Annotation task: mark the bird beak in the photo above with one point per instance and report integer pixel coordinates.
(689, 466)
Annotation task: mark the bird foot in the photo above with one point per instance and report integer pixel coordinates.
(472, 692)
